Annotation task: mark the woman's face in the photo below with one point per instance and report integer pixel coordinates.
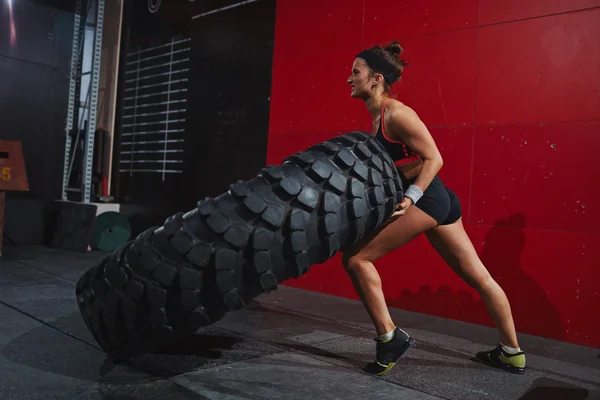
(360, 80)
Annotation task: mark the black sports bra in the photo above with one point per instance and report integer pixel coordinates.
(400, 153)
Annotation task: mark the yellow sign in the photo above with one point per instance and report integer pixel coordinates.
(6, 176)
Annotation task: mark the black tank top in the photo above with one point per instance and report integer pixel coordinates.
(400, 152)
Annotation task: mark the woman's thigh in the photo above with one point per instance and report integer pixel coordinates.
(395, 233)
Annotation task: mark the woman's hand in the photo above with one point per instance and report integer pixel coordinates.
(402, 207)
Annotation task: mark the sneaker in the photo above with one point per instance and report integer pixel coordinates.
(499, 358)
(389, 352)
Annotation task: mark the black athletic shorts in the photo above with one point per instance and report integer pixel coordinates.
(439, 202)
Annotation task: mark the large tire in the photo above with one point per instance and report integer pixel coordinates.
(174, 279)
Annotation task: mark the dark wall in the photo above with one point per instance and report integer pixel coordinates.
(34, 66)
(225, 127)
(229, 97)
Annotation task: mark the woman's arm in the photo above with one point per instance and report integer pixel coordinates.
(405, 125)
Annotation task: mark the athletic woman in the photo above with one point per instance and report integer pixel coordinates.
(428, 207)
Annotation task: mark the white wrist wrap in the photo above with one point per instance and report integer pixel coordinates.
(414, 193)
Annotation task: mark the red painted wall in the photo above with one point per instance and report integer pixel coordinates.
(510, 91)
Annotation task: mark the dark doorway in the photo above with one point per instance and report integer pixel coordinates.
(230, 85)
(195, 107)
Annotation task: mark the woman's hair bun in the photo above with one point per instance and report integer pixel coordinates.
(394, 48)
(390, 54)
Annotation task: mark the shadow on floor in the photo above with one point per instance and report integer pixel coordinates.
(200, 345)
(548, 389)
(192, 353)
(50, 350)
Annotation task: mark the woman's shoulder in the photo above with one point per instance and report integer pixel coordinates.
(397, 112)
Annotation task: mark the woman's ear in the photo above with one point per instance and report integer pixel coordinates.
(377, 78)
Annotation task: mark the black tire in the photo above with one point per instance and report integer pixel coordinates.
(172, 280)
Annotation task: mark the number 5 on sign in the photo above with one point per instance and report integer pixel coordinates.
(6, 175)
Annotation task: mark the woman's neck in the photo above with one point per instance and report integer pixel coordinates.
(375, 104)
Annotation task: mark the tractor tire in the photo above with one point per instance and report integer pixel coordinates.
(174, 279)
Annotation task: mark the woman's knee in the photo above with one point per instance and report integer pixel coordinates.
(353, 262)
(348, 260)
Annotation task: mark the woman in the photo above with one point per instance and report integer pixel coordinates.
(428, 207)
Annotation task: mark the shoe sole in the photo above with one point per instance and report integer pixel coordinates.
(407, 346)
(507, 368)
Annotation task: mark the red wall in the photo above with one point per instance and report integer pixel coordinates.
(511, 94)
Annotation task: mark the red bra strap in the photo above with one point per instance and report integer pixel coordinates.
(383, 130)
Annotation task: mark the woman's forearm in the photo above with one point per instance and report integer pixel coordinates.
(428, 171)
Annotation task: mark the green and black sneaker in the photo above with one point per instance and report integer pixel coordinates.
(500, 358)
(388, 352)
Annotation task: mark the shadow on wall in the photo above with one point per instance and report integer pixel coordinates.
(533, 313)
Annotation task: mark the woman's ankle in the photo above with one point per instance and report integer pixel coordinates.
(385, 327)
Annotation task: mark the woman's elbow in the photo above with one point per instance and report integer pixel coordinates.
(438, 161)
(434, 160)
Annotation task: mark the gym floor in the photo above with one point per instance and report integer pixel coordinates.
(290, 344)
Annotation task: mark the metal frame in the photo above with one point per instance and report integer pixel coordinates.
(73, 97)
(91, 103)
